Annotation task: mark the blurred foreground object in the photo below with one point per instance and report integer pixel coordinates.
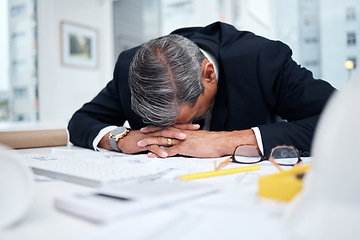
(283, 185)
(34, 138)
(16, 188)
(329, 205)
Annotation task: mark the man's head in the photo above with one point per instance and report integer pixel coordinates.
(166, 80)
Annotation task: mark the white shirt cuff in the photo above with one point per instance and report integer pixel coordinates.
(258, 138)
(100, 135)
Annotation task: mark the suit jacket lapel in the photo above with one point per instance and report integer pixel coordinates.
(219, 112)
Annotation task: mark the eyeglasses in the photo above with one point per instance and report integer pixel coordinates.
(249, 154)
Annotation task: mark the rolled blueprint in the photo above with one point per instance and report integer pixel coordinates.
(34, 138)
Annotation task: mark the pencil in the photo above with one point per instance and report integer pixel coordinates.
(219, 172)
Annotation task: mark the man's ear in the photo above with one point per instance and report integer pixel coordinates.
(208, 71)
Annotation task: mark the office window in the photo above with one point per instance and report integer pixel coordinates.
(311, 40)
(4, 109)
(18, 39)
(181, 8)
(351, 39)
(310, 20)
(20, 92)
(311, 63)
(35, 68)
(18, 66)
(350, 14)
(18, 24)
(20, 117)
(18, 11)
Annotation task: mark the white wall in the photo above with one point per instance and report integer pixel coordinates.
(64, 89)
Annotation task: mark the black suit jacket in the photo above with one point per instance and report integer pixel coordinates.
(258, 80)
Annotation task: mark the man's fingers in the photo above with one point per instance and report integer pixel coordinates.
(157, 151)
(152, 155)
(187, 126)
(170, 132)
(181, 126)
(163, 135)
(160, 141)
(149, 129)
(172, 151)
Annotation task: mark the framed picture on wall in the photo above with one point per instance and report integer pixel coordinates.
(79, 45)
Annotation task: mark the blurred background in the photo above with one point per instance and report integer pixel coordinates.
(58, 54)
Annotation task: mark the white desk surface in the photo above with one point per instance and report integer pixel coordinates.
(236, 212)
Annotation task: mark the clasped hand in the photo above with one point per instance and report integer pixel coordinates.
(186, 139)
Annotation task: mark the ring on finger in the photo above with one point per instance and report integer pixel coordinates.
(169, 142)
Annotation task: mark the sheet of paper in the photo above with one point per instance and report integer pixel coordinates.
(176, 165)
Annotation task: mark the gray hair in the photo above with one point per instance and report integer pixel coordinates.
(164, 75)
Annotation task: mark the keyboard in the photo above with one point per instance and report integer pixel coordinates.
(89, 173)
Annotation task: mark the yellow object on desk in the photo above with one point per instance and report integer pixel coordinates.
(283, 185)
(219, 172)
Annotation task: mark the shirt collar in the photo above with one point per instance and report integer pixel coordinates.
(212, 60)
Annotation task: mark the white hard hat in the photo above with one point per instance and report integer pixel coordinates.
(16, 188)
(329, 205)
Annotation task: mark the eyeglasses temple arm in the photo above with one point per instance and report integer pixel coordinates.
(271, 159)
(223, 163)
(298, 163)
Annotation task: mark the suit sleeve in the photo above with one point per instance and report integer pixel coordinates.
(104, 110)
(292, 93)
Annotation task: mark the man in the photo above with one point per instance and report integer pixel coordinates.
(236, 82)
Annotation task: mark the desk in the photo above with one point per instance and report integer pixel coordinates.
(236, 212)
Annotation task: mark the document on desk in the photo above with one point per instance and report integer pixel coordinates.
(119, 200)
(90, 168)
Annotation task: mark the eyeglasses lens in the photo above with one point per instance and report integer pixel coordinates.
(247, 154)
(284, 155)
